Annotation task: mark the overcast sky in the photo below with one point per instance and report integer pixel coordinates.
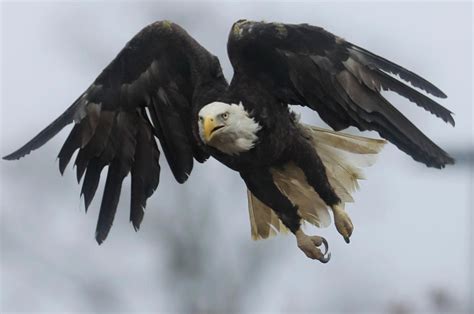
(412, 223)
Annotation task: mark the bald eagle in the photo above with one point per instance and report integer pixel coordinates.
(164, 85)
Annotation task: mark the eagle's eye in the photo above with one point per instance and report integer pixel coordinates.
(201, 119)
(225, 115)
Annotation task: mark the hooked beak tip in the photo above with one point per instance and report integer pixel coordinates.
(208, 126)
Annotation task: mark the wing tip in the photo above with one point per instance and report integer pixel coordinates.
(100, 236)
(443, 114)
(406, 75)
(182, 176)
(438, 92)
(425, 85)
(136, 218)
(136, 226)
(11, 156)
(441, 162)
(449, 161)
(18, 154)
(450, 119)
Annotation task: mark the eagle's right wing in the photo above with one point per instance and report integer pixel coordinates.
(162, 74)
(306, 65)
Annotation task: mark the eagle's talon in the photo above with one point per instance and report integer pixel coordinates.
(343, 222)
(309, 245)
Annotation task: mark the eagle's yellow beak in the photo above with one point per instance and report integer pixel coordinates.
(209, 127)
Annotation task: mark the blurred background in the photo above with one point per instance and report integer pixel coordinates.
(411, 251)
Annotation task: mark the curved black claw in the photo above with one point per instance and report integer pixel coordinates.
(326, 247)
(325, 259)
(347, 240)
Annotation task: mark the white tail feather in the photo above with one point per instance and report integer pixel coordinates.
(343, 155)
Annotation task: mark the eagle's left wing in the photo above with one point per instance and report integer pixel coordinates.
(306, 65)
(154, 87)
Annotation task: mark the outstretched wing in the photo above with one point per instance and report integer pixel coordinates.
(162, 75)
(306, 65)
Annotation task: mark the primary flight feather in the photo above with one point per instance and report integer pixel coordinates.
(164, 85)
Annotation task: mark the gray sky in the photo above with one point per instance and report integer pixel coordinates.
(412, 223)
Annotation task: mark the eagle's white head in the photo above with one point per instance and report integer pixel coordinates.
(227, 127)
